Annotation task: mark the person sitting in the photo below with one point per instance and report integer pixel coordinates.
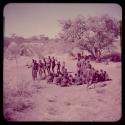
(101, 76)
(55, 78)
(70, 79)
(64, 81)
(65, 72)
(78, 79)
(50, 78)
(90, 76)
(83, 79)
(106, 77)
(96, 77)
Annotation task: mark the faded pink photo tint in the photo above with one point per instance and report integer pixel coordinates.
(62, 62)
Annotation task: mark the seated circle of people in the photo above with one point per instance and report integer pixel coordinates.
(56, 73)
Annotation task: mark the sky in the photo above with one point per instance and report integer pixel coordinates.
(33, 19)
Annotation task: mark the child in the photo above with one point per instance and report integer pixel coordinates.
(106, 77)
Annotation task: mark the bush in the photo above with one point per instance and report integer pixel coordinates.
(115, 57)
(16, 99)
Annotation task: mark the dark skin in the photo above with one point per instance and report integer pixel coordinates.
(35, 70)
(44, 62)
(49, 64)
(40, 67)
(53, 64)
(58, 67)
(89, 75)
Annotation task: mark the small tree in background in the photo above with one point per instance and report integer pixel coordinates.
(13, 48)
(93, 34)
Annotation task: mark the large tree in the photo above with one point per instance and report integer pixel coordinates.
(93, 34)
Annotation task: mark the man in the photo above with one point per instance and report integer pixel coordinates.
(44, 66)
(101, 78)
(79, 65)
(48, 64)
(40, 68)
(63, 67)
(70, 79)
(50, 61)
(90, 76)
(65, 72)
(88, 64)
(50, 78)
(96, 76)
(53, 64)
(78, 79)
(83, 78)
(58, 67)
(87, 76)
(34, 69)
(55, 78)
(84, 72)
(64, 81)
(58, 79)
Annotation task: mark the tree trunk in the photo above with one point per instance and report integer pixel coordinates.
(93, 54)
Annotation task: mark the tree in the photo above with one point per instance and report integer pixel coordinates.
(93, 34)
(13, 48)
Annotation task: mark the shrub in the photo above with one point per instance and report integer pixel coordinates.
(16, 99)
(115, 57)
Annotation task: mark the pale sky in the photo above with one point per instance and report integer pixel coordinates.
(30, 19)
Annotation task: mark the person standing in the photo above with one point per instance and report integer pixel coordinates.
(106, 76)
(58, 67)
(53, 64)
(35, 69)
(70, 79)
(50, 64)
(44, 66)
(63, 67)
(79, 67)
(101, 75)
(40, 68)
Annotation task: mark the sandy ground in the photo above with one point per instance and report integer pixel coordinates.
(54, 103)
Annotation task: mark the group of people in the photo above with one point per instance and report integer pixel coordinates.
(54, 72)
(87, 74)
